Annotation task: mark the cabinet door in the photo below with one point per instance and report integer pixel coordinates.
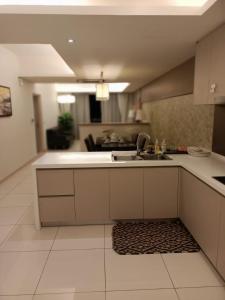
(200, 212)
(160, 192)
(218, 63)
(202, 71)
(91, 196)
(55, 182)
(57, 210)
(126, 193)
(221, 249)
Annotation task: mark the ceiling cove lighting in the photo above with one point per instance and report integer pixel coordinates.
(108, 7)
(66, 99)
(89, 88)
(153, 3)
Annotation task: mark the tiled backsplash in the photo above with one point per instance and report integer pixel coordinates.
(180, 122)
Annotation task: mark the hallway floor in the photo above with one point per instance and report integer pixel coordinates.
(78, 263)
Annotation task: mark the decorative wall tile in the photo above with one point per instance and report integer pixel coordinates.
(180, 122)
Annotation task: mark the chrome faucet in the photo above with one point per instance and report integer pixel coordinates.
(142, 140)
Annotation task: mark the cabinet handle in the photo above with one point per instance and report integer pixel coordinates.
(212, 88)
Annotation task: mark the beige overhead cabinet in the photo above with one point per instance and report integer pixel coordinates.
(209, 84)
(160, 192)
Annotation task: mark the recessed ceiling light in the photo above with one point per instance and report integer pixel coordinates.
(70, 41)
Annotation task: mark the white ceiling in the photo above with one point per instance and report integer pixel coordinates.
(107, 7)
(39, 60)
(135, 49)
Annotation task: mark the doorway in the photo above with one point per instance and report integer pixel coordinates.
(38, 122)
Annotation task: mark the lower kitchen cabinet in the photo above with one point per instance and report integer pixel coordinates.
(91, 196)
(126, 193)
(57, 210)
(221, 248)
(200, 212)
(160, 192)
(55, 182)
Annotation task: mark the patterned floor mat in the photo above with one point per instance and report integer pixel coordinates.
(152, 237)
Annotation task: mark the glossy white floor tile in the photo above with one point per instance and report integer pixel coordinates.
(17, 200)
(191, 270)
(20, 272)
(161, 294)
(11, 215)
(4, 231)
(22, 297)
(73, 271)
(80, 268)
(24, 188)
(79, 237)
(28, 217)
(75, 296)
(27, 238)
(133, 272)
(108, 236)
(207, 293)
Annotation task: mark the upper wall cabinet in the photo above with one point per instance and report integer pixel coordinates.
(209, 82)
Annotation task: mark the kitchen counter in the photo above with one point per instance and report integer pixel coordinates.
(203, 168)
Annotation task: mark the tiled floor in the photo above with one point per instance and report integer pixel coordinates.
(78, 263)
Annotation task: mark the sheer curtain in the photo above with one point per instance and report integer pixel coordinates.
(80, 112)
(110, 110)
(123, 106)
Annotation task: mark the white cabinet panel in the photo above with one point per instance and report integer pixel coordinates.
(200, 212)
(160, 192)
(126, 193)
(92, 196)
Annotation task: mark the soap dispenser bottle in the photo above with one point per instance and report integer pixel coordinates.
(163, 146)
(157, 146)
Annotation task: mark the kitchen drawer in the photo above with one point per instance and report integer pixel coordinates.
(57, 210)
(55, 182)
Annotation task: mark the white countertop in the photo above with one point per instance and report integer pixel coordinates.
(203, 168)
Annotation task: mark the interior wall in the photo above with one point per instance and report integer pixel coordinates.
(180, 122)
(17, 133)
(49, 107)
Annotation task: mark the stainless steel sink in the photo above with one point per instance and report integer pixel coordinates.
(142, 156)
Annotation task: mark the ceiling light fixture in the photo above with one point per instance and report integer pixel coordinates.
(70, 41)
(66, 99)
(102, 90)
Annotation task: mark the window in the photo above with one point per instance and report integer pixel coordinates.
(95, 109)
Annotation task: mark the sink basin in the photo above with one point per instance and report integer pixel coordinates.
(143, 156)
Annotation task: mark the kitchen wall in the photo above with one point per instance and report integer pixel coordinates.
(180, 122)
(49, 107)
(17, 135)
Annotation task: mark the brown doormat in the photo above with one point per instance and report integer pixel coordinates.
(149, 237)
